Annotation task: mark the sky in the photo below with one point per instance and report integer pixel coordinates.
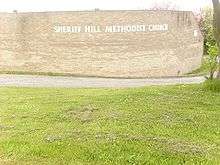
(71, 5)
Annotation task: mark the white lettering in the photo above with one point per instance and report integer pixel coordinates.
(158, 27)
(92, 29)
(112, 29)
(67, 29)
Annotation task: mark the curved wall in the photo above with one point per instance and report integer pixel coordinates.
(101, 43)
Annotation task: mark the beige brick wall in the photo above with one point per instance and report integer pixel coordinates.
(29, 43)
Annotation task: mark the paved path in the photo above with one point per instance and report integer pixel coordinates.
(77, 82)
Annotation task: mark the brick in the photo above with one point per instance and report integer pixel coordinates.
(29, 43)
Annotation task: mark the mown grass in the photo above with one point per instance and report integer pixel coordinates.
(152, 125)
(212, 85)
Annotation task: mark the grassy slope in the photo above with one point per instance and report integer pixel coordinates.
(159, 125)
(203, 70)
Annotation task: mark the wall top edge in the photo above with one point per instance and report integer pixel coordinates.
(99, 10)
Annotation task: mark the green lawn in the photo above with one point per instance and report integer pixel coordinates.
(152, 125)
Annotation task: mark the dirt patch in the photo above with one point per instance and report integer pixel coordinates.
(171, 145)
(186, 147)
(90, 113)
(174, 146)
(5, 127)
(84, 113)
(52, 138)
